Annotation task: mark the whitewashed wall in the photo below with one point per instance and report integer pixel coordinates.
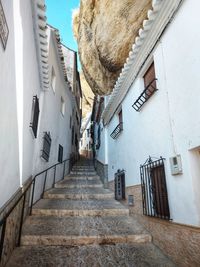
(168, 123)
(19, 82)
(9, 146)
(52, 120)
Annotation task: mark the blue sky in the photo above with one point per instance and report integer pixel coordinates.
(59, 15)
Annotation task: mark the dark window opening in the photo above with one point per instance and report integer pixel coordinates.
(72, 135)
(154, 189)
(46, 146)
(98, 144)
(60, 153)
(76, 140)
(120, 116)
(70, 122)
(88, 132)
(35, 115)
(120, 185)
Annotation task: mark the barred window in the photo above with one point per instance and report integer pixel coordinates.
(60, 153)
(46, 146)
(35, 115)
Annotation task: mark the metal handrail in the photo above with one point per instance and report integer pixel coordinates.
(23, 195)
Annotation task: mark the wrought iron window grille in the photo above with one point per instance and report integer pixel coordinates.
(145, 95)
(60, 153)
(46, 146)
(117, 130)
(35, 115)
(154, 189)
(120, 185)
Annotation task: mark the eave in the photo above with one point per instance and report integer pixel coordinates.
(158, 18)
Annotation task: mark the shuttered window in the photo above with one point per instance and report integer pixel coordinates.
(35, 115)
(60, 153)
(46, 146)
(150, 77)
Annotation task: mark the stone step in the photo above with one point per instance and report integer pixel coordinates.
(82, 177)
(78, 183)
(79, 193)
(140, 255)
(83, 168)
(43, 230)
(64, 207)
(85, 173)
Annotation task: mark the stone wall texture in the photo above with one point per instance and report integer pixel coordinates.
(181, 243)
(88, 96)
(13, 222)
(103, 48)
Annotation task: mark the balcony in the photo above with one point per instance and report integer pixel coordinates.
(145, 95)
(117, 130)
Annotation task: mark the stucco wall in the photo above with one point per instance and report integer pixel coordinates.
(168, 123)
(53, 121)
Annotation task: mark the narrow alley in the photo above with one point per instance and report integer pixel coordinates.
(99, 133)
(78, 223)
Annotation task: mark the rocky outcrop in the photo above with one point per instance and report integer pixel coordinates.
(105, 31)
(88, 96)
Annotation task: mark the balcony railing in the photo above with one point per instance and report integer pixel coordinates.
(145, 95)
(117, 130)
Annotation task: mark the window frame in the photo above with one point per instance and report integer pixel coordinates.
(46, 149)
(60, 153)
(35, 115)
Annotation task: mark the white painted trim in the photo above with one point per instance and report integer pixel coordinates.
(158, 18)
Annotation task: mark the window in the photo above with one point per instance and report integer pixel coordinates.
(150, 88)
(119, 128)
(46, 146)
(154, 189)
(98, 137)
(53, 79)
(150, 75)
(70, 122)
(88, 132)
(120, 185)
(35, 115)
(76, 140)
(120, 119)
(60, 153)
(72, 135)
(62, 108)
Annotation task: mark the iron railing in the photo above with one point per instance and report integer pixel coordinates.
(31, 187)
(145, 95)
(117, 130)
(154, 189)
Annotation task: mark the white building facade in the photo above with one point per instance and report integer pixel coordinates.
(86, 141)
(164, 124)
(37, 104)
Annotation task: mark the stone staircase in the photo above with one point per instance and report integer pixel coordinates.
(78, 223)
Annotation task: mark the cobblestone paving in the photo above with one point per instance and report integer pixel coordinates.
(122, 255)
(96, 231)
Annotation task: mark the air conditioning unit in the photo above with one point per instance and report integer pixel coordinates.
(176, 165)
